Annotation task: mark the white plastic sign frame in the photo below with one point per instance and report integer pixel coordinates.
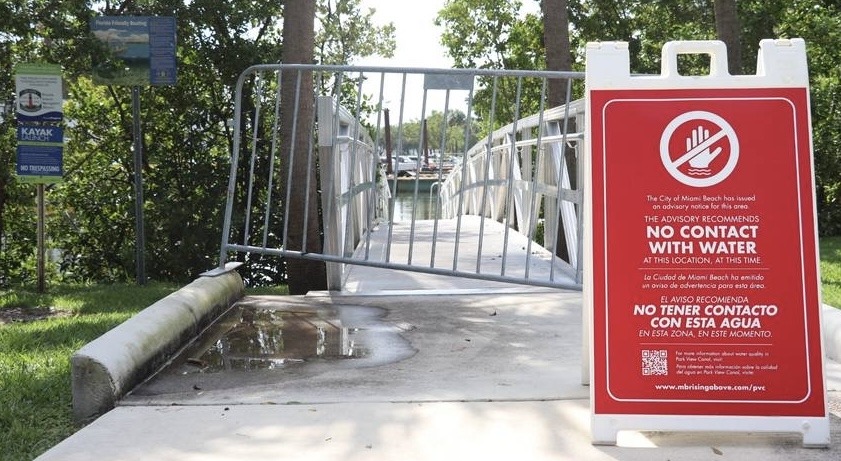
(701, 273)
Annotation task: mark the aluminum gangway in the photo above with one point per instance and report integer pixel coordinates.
(508, 208)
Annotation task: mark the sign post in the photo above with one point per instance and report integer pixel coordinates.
(141, 53)
(702, 282)
(40, 148)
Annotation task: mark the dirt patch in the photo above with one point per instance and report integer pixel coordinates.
(29, 314)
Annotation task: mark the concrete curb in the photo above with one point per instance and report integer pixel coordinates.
(832, 332)
(105, 369)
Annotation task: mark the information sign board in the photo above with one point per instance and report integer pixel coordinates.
(142, 50)
(39, 163)
(39, 112)
(703, 280)
(39, 93)
(40, 154)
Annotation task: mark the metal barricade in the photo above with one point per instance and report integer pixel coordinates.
(439, 190)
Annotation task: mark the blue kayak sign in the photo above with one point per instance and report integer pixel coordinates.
(40, 134)
(40, 154)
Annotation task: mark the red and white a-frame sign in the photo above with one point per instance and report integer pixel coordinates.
(701, 279)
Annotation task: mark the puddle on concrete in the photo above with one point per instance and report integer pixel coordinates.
(253, 337)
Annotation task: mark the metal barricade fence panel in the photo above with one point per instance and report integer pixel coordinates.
(442, 171)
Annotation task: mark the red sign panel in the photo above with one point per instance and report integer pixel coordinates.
(704, 255)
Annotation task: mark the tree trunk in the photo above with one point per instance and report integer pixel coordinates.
(727, 28)
(556, 42)
(304, 227)
(558, 57)
(3, 184)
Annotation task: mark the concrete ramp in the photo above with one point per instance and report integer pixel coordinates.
(466, 247)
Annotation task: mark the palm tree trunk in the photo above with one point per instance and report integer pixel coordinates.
(296, 135)
(727, 28)
(558, 57)
(556, 42)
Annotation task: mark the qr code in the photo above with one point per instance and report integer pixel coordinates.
(655, 363)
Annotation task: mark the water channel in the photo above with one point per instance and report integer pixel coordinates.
(405, 203)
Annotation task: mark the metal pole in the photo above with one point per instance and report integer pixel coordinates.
(40, 239)
(389, 169)
(140, 245)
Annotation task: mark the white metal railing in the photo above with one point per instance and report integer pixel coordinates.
(520, 175)
(354, 191)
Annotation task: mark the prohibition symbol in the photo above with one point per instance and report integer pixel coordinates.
(699, 148)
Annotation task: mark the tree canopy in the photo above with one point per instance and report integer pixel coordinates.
(187, 136)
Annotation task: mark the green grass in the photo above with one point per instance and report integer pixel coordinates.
(35, 395)
(831, 270)
(35, 398)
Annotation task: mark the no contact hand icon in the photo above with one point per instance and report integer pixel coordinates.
(699, 148)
